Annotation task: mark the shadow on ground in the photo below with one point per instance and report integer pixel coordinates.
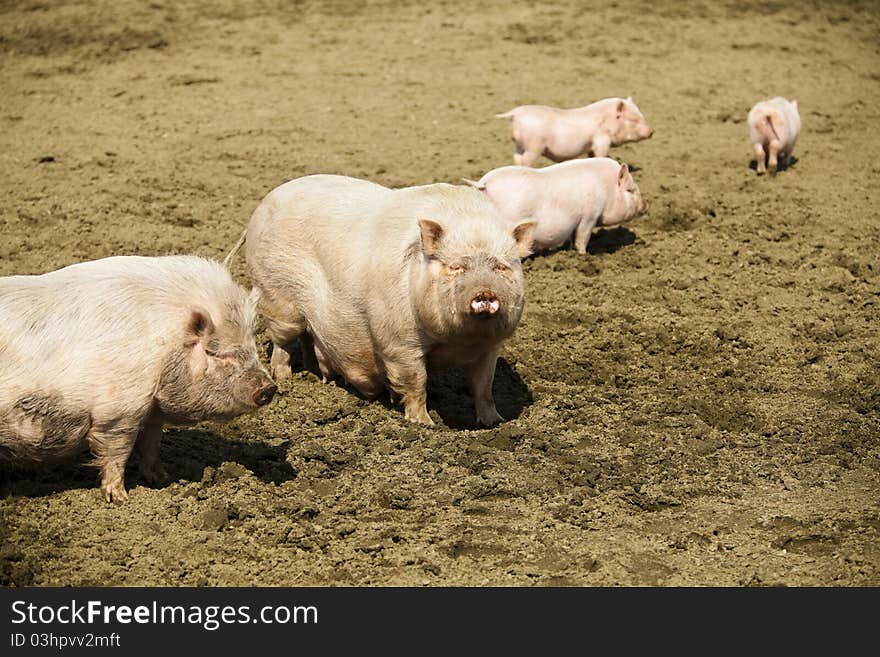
(185, 454)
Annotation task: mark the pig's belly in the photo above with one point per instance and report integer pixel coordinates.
(565, 143)
(346, 350)
(563, 153)
(551, 235)
(361, 370)
(369, 384)
(40, 428)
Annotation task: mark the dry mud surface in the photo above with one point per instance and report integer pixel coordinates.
(693, 403)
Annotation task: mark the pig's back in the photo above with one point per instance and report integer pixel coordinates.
(540, 118)
(513, 191)
(158, 286)
(589, 166)
(536, 110)
(313, 203)
(463, 210)
(318, 223)
(577, 185)
(117, 314)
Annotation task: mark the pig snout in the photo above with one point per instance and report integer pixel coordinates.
(258, 388)
(264, 395)
(485, 304)
(643, 206)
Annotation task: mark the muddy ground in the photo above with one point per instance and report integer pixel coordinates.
(696, 402)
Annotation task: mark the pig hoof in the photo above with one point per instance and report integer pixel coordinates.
(115, 493)
(420, 417)
(281, 373)
(489, 418)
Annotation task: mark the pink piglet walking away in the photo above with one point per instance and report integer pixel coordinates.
(564, 134)
(566, 199)
(774, 126)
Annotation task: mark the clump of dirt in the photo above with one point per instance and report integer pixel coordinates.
(693, 402)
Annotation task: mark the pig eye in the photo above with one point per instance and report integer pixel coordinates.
(452, 270)
(227, 356)
(502, 269)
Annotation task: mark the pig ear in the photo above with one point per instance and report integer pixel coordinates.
(623, 174)
(200, 326)
(524, 234)
(629, 99)
(432, 233)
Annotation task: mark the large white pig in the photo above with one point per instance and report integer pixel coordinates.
(99, 355)
(384, 284)
(774, 126)
(564, 134)
(567, 200)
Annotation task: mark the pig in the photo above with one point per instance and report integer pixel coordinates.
(381, 284)
(774, 125)
(566, 199)
(99, 355)
(564, 134)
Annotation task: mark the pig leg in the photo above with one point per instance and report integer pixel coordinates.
(148, 449)
(784, 159)
(111, 448)
(279, 363)
(601, 146)
(284, 335)
(410, 380)
(772, 160)
(517, 156)
(583, 233)
(319, 354)
(528, 149)
(526, 153)
(480, 375)
(527, 158)
(284, 325)
(760, 156)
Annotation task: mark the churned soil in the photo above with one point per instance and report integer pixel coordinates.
(695, 402)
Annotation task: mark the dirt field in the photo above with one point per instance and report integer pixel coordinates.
(696, 402)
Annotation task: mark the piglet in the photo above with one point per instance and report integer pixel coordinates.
(774, 126)
(564, 134)
(99, 355)
(566, 199)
